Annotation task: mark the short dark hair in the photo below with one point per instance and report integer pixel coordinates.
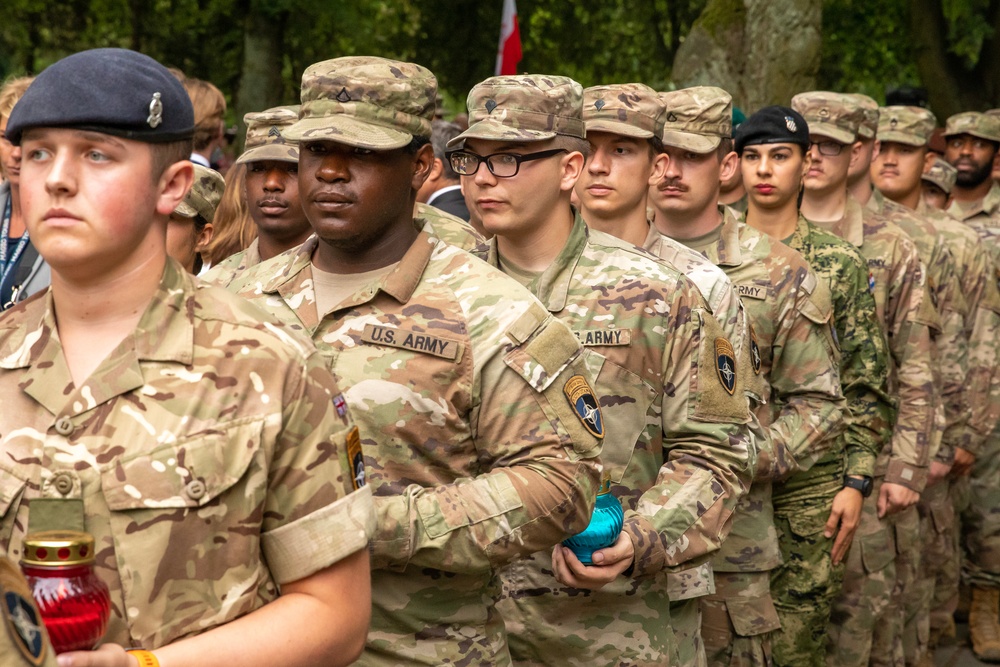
(416, 143)
(572, 144)
(167, 154)
(725, 147)
(441, 133)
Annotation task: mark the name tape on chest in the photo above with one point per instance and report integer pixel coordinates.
(411, 340)
(752, 292)
(603, 337)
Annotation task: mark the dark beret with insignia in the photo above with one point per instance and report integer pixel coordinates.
(113, 91)
(773, 125)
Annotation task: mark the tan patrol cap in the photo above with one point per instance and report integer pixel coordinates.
(869, 115)
(366, 102)
(941, 174)
(264, 138)
(833, 115)
(204, 196)
(993, 112)
(984, 126)
(526, 107)
(912, 126)
(696, 119)
(627, 109)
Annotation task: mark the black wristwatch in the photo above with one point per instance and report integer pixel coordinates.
(864, 485)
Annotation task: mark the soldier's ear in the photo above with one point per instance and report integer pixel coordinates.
(423, 163)
(660, 164)
(572, 167)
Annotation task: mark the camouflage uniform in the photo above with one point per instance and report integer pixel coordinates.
(864, 612)
(264, 141)
(981, 520)
(678, 451)
(941, 174)
(23, 640)
(793, 367)
(207, 432)
(466, 391)
(806, 584)
(452, 229)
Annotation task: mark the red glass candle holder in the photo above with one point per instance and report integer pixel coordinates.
(74, 604)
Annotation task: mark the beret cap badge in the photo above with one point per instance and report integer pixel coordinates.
(790, 124)
(155, 111)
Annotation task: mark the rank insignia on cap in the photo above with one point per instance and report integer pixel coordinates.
(824, 112)
(871, 282)
(340, 404)
(155, 111)
(274, 132)
(490, 105)
(790, 124)
(893, 123)
(725, 364)
(599, 104)
(356, 458)
(343, 95)
(584, 403)
(20, 616)
(754, 352)
(671, 117)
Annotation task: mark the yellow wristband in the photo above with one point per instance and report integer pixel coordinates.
(145, 658)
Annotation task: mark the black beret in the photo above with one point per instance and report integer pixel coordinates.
(114, 91)
(773, 125)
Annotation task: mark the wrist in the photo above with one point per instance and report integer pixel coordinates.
(859, 483)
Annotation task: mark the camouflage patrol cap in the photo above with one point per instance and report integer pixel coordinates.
(984, 126)
(264, 138)
(627, 109)
(869, 115)
(833, 115)
(696, 119)
(993, 112)
(941, 174)
(204, 196)
(366, 102)
(527, 107)
(912, 126)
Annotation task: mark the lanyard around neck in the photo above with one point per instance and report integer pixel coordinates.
(6, 266)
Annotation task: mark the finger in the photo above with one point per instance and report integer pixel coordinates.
(610, 555)
(883, 502)
(832, 522)
(559, 565)
(841, 545)
(577, 569)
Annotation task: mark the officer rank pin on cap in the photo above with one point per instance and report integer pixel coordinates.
(113, 91)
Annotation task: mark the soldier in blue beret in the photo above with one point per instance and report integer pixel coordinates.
(180, 426)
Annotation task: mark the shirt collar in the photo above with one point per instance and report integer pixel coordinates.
(441, 192)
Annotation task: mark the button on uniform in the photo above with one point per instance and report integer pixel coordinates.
(64, 426)
(195, 489)
(63, 483)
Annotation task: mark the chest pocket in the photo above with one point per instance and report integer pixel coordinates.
(203, 499)
(11, 488)
(625, 400)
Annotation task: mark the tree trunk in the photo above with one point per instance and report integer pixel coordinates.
(761, 51)
(260, 85)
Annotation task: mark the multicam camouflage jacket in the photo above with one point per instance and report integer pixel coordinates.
(676, 448)
(203, 454)
(897, 281)
(479, 431)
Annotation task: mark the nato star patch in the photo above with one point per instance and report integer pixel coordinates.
(754, 352)
(581, 398)
(725, 364)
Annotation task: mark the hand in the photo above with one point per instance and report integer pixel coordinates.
(608, 564)
(895, 498)
(847, 513)
(937, 472)
(107, 655)
(964, 460)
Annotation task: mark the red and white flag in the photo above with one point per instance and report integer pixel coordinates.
(509, 51)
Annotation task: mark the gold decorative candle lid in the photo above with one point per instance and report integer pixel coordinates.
(605, 484)
(50, 548)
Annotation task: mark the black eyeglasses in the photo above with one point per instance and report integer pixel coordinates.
(501, 165)
(828, 148)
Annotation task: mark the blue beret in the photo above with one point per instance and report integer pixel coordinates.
(114, 91)
(773, 125)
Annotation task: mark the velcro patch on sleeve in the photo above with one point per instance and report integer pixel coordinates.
(414, 341)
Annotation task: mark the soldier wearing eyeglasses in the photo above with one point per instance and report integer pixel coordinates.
(677, 447)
